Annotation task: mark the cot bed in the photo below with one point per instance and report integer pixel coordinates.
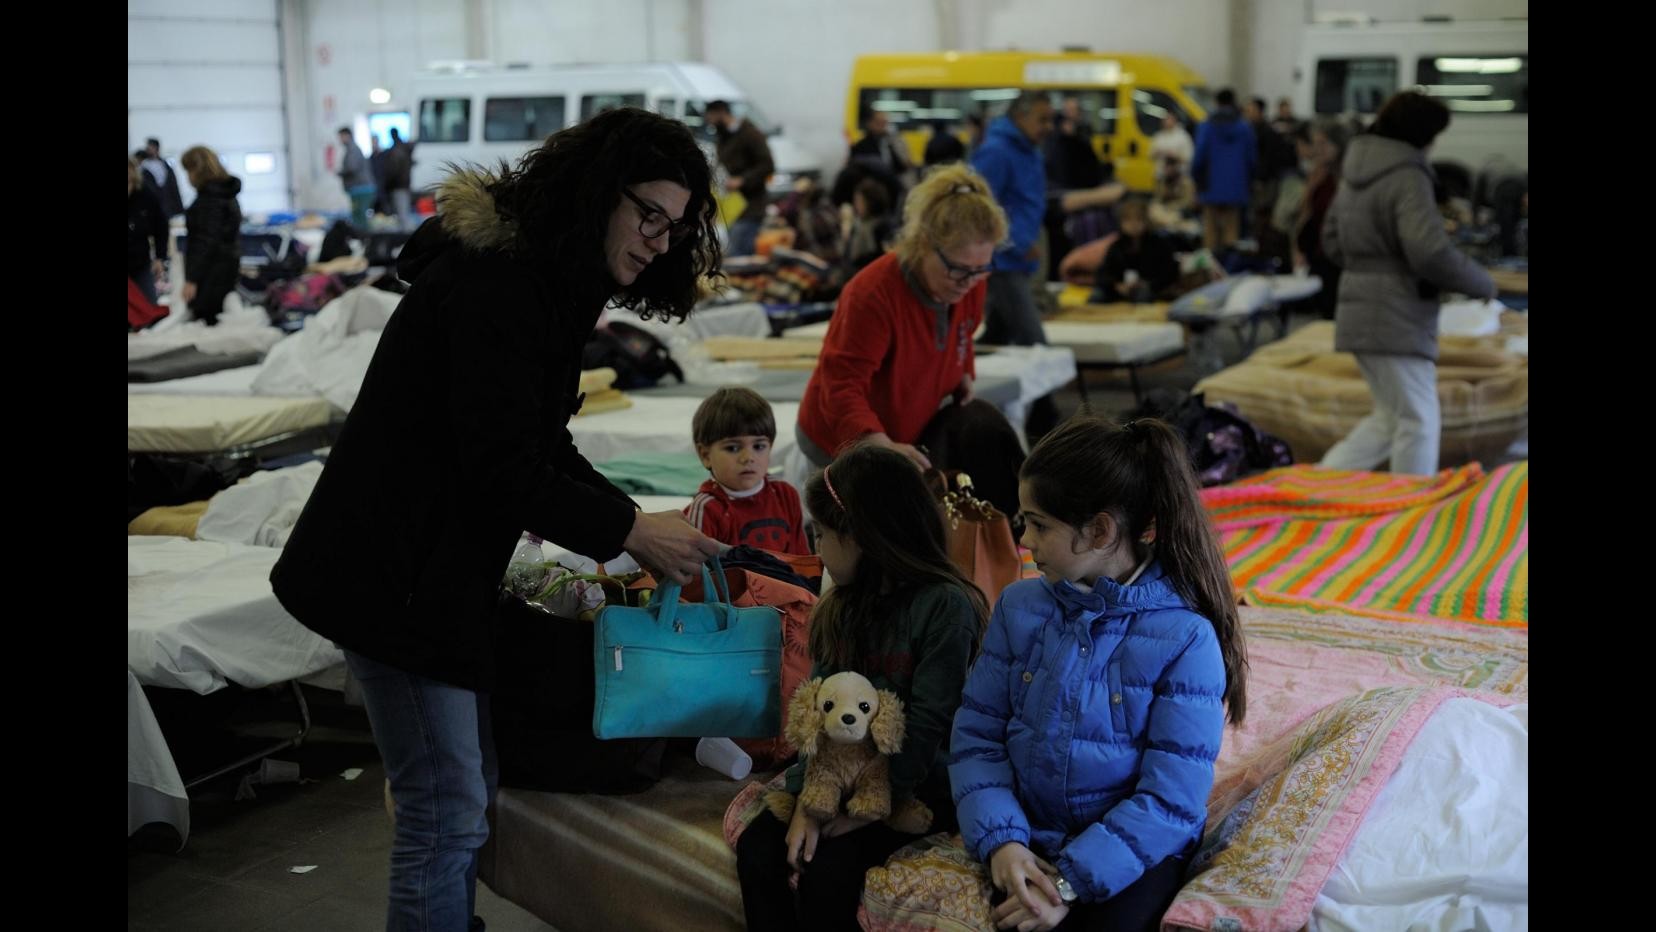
(201, 617)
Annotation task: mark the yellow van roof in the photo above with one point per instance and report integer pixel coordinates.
(1018, 69)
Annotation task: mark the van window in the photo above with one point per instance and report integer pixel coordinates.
(1150, 107)
(445, 119)
(521, 119)
(1481, 83)
(921, 106)
(1358, 85)
(667, 106)
(740, 109)
(594, 104)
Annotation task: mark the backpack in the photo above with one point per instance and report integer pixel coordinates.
(637, 356)
(1224, 446)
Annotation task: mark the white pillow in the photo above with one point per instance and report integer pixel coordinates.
(1445, 847)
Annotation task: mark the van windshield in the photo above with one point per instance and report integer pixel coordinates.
(1202, 95)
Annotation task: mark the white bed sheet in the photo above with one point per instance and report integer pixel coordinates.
(155, 790)
(330, 356)
(1040, 370)
(1445, 846)
(658, 424)
(201, 615)
(260, 510)
(1114, 342)
(241, 329)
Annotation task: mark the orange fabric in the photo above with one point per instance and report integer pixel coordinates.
(747, 589)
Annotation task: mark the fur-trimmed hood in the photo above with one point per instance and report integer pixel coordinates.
(466, 216)
(468, 211)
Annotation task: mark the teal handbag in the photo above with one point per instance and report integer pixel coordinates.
(693, 670)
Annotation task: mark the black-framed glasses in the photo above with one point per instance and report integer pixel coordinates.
(652, 222)
(962, 273)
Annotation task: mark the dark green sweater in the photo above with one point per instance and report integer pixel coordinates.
(922, 656)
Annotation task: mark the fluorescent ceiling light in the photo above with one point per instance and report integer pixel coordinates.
(379, 95)
(1482, 106)
(259, 163)
(1479, 65)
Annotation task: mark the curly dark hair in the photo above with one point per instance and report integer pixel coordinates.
(561, 196)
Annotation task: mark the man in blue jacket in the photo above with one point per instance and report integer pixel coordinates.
(1010, 160)
(1223, 171)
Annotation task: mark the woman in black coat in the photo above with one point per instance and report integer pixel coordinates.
(212, 229)
(459, 441)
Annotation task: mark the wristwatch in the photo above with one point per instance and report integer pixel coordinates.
(1065, 891)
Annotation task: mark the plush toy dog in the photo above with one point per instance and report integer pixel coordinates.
(862, 725)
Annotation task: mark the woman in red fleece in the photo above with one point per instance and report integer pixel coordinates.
(901, 338)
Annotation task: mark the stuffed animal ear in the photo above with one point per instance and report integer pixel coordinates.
(887, 726)
(804, 729)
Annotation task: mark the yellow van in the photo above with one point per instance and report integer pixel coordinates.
(1124, 97)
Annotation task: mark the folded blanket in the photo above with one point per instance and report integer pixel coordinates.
(648, 473)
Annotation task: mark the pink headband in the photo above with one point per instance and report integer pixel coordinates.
(829, 483)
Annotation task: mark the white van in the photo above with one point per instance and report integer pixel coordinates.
(480, 112)
(1479, 69)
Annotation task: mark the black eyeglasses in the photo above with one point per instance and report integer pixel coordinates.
(962, 273)
(652, 222)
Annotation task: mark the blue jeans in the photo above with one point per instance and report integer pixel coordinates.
(439, 755)
(743, 235)
(1012, 317)
(362, 198)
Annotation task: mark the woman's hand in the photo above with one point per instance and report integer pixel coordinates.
(668, 546)
(907, 449)
(803, 832)
(1015, 869)
(189, 292)
(964, 392)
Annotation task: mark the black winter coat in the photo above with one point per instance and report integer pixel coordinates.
(458, 441)
(212, 227)
(146, 230)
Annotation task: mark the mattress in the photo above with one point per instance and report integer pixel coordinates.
(207, 423)
(1118, 312)
(1116, 343)
(238, 381)
(1301, 390)
(654, 860)
(185, 361)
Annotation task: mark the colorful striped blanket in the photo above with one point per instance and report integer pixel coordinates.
(1454, 546)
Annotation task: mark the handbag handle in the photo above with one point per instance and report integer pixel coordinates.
(666, 600)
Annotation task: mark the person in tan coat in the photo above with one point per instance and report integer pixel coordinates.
(1385, 231)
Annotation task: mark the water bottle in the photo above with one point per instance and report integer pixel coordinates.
(526, 573)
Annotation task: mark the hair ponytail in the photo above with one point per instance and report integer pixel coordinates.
(1140, 474)
(1189, 550)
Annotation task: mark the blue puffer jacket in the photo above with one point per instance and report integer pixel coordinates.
(1089, 728)
(1016, 174)
(1225, 154)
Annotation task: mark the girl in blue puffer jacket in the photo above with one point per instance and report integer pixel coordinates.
(1082, 754)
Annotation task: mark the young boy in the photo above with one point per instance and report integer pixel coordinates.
(734, 430)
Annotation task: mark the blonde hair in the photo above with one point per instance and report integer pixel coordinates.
(202, 165)
(951, 206)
